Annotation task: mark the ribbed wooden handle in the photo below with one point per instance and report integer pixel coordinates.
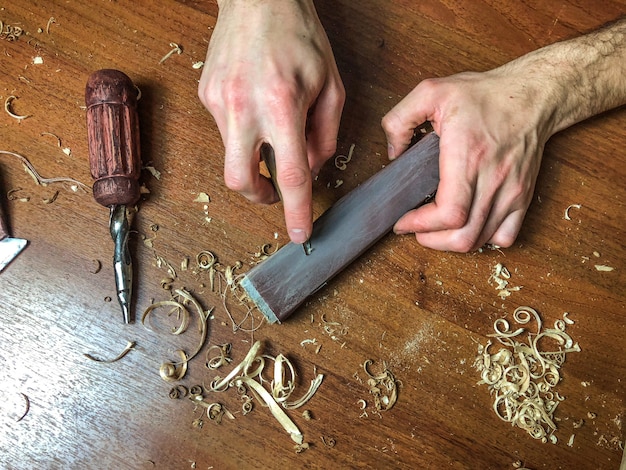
(113, 133)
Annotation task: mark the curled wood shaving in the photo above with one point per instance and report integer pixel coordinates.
(222, 359)
(129, 347)
(30, 169)
(9, 32)
(179, 391)
(7, 108)
(97, 266)
(571, 206)
(173, 372)
(53, 135)
(341, 161)
(51, 199)
(383, 387)
(522, 376)
(12, 197)
(180, 302)
(52, 20)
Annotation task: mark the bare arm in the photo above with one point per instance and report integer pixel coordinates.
(493, 127)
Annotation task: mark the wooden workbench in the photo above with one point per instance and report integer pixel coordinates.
(422, 313)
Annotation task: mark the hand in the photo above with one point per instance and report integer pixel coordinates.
(492, 130)
(270, 77)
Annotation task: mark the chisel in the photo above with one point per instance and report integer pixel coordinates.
(283, 281)
(114, 157)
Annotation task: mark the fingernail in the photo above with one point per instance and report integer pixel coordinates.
(297, 235)
(391, 152)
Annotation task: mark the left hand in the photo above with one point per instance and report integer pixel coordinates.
(492, 127)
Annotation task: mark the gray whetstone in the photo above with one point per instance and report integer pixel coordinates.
(282, 282)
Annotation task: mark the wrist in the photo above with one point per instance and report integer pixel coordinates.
(573, 80)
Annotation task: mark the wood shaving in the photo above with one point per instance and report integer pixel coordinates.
(30, 169)
(51, 199)
(11, 195)
(521, 376)
(129, 347)
(500, 277)
(176, 49)
(220, 360)
(603, 268)
(154, 172)
(341, 161)
(53, 135)
(328, 442)
(383, 387)
(180, 302)
(197, 65)
(52, 20)
(7, 108)
(248, 375)
(571, 206)
(10, 33)
(97, 266)
(179, 391)
(333, 329)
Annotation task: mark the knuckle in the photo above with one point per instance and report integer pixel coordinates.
(503, 240)
(293, 177)
(456, 217)
(463, 243)
(235, 181)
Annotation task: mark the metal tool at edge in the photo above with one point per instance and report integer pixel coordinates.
(9, 247)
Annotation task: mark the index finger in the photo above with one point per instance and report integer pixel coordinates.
(294, 179)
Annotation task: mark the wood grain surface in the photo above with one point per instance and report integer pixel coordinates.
(422, 313)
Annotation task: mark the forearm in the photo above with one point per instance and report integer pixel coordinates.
(578, 78)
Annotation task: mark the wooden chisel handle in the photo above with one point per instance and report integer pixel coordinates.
(113, 133)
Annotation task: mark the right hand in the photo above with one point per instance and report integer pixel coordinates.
(270, 77)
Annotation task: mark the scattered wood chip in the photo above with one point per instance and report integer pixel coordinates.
(603, 268)
(500, 277)
(202, 197)
(383, 386)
